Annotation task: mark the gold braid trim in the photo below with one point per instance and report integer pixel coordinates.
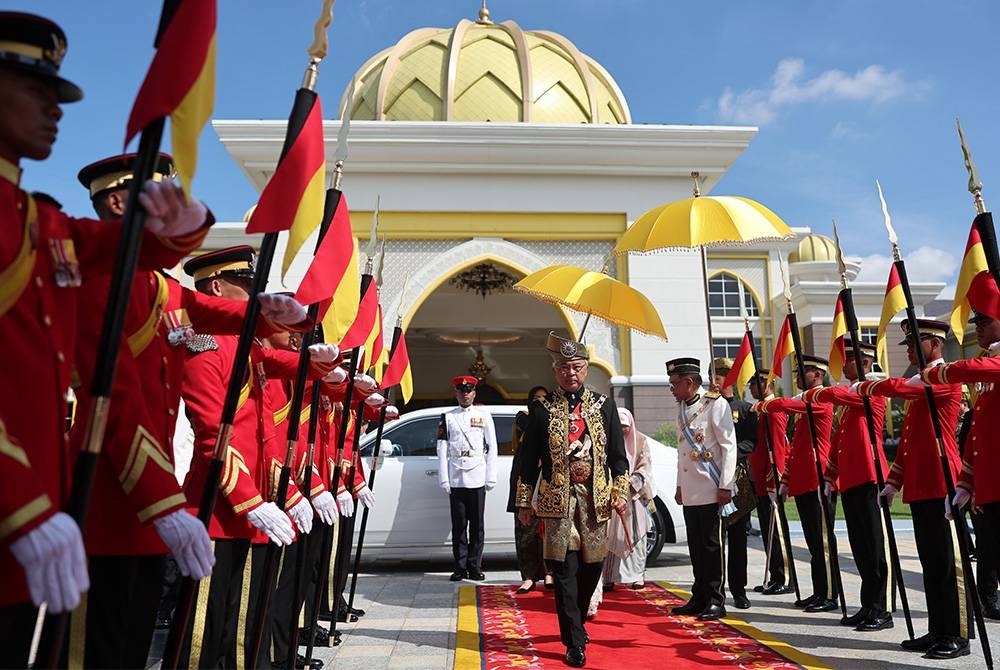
(523, 494)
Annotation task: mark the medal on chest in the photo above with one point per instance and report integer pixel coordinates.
(179, 331)
(65, 268)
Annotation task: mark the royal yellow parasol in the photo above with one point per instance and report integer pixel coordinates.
(595, 294)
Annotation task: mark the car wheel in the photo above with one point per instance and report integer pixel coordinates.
(658, 530)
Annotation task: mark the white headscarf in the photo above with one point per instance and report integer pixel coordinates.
(625, 417)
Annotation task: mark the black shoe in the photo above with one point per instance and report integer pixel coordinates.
(759, 588)
(922, 643)
(526, 589)
(741, 602)
(477, 576)
(821, 605)
(806, 602)
(549, 586)
(300, 663)
(948, 647)
(575, 658)
(990, 611)
(458, 576)
(607, 587)
(855, 619)
(586, 637)
(777, 589)
(688, 608)
(712, 613)
(875, 621)
(349, 615)
(320, 639)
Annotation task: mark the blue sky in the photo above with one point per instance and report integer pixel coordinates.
(843, 92)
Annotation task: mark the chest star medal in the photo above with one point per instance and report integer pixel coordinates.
(699, 436)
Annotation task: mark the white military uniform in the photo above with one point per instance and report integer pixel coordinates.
(468, 457)
(710, 421)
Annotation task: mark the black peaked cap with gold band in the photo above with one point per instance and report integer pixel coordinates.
(684, 366)
(36, 45)
(116, 172)
(235, 261)
(722, 365)
(562, 349)
(867, 349)
(810, 361)
(928, 328)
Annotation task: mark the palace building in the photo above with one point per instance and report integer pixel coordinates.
(495, 151)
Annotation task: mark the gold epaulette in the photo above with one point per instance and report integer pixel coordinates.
(712, 395)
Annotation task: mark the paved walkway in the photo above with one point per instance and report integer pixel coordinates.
(412, 609)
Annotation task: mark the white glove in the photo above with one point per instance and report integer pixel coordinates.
(446, 487)
(374, 400)
(346, 503)
(783, 491)
(827, 488)
(274, 523)
(281, 309)
(889, 492)
(364, 383)
(326, 507)
(188, 541)
(391, 413)
(168, 212)
(915, 380)
(302, 515)
(854, 387)
(947, 508)
(961, 499)
(54, 563)
(366, 497)
(336, 376)
(323, 353)
(798, 396)
(773, 497)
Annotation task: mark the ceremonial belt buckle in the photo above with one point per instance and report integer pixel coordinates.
(465, 453)
(579, 471)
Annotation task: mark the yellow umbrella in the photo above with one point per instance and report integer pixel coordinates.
(595, 294)
(699, 222)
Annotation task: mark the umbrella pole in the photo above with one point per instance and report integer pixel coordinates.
(708, 316)
(584, 328)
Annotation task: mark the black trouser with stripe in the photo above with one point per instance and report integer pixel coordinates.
(987, 524)
(864, 532)
(736, 560)
(776, 568)
(704, 538)
(939, 563)
(241, 653)
(575, 583)
(467, 532)
(813, 527)
(212, 630)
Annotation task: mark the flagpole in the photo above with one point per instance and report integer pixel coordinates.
(957, 515)
(826, 509)
(305, 97)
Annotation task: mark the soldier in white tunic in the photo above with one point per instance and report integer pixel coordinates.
(706, 471)
(467, 469)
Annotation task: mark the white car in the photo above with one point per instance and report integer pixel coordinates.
(412, 513)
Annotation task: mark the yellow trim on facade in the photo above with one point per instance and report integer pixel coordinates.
(508, 225)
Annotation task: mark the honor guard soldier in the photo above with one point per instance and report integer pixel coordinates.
(706, 483)
(852, 468)
(738, 524)
(574, 449)
(44, 254)
(467, 469)
(917, 472)
(766, 488)
(981, 453)
(800, 480)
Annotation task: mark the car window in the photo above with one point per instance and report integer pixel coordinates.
(504, 424)
(415, 438)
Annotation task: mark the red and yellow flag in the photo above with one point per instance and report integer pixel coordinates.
(364, 322)
(783, 348)
(180, 82)
(838, 353)
(375, 354)
(333, 279)
(398, 371)
(973, 263)
(893, 304)
(743, 368)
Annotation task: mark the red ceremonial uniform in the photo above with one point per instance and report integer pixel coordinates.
(800, 469)
(981, 452)
(760, 459)
(42, 255)
(917, 468)
(851, 462)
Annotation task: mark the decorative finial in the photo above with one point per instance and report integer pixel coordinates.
(975, 185)
(484, 15)
(893, 238)
(372, 248)
(320, 45)
(697, 184)
(841, 265)
(786, 285)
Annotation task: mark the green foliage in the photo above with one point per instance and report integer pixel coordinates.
(666, 433)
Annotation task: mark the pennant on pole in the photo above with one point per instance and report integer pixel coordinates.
(364, 322)
(783, 348)
(894, 303)
(838, 353)
(180, 82)
(973, 263)
(398, 371)
(375, 353)
(742, 369)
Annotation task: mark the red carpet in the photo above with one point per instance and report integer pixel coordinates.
(633, 629)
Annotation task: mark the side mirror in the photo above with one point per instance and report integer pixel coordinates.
(386, 448)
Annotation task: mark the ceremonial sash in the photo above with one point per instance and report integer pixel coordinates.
(140, 339)
(14, 278)
(708, 465)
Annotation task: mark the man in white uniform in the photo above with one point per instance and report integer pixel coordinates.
(467, 469)
(706, 470)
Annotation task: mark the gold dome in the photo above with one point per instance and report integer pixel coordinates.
(814, 247)
(485, 71)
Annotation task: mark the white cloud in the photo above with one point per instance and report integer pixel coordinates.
(846, 131)
(924, 264)
(760, 106)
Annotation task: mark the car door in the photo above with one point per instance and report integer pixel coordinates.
(498, 522)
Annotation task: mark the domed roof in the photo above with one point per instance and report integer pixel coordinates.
(814, 247)
(483, 71)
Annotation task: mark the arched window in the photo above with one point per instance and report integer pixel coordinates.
(724, 297)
